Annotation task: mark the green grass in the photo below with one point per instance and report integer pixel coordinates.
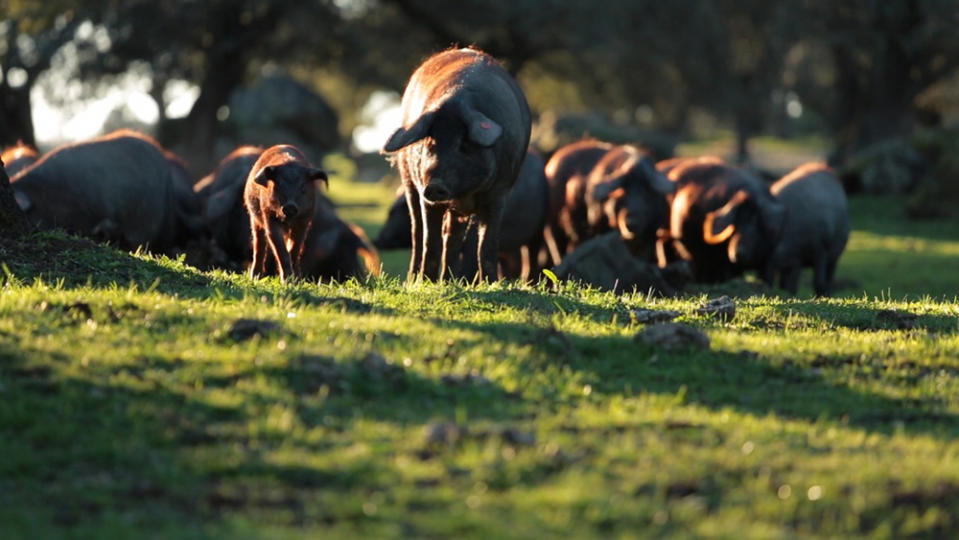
(127, 409)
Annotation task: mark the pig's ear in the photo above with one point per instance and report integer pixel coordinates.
(318, 175)
(23, 201)
(264, 175)
(718, 227)
(720, 224)
(404, 137)
(482, 130)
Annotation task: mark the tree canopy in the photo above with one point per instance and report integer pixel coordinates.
(856, 67)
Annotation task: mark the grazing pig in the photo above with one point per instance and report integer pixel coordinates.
(229, 173)
(523, 223)
(224, 214)
(815, 229)
(280, 197)
(118, 187)
(466, 126)
(566, 171)
(187, 201)
(18, 157)
(626, 192)
(188, 205)
(666, 253)
(667, 165)
(708, 194)
(189, 225)
(336, 250)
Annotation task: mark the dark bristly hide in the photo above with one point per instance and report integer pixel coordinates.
(466, 127)
(280, 196)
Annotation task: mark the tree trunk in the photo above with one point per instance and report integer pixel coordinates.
(13, 222)
(16, 113)
(876, 96)
(750, 109)
(742, 142)
(872, 120)
(224, 73)
(16, 120)
(225, 67)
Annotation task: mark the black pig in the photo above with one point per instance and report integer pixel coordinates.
(466, 126)
(118, 187)
(280, 197)
(710, 193)
(567, 171)
(815, 228)
(522, 225)
(626, 192)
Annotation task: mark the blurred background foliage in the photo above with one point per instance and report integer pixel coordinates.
(875, 84)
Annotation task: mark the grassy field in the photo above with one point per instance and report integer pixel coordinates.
(135, 402)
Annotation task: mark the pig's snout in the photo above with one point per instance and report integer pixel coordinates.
(290, 211)
(436, 192)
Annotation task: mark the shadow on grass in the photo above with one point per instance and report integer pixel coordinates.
(864, 317)
(76, 262)
(741, 380)
(536, 301)
(82, 447)
(76, 451)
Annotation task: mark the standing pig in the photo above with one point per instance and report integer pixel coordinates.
(815, 230)
(466, 126)
(723, 220)
(626, 192)
(523, 218)
(280, 197)
(118, 187)
(566, 171)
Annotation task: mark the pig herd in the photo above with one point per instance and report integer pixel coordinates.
(475, 201)
(126, 189)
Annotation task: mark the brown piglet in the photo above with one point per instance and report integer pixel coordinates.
(280, 195)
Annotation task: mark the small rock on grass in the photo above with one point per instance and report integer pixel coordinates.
(471, 378)
(722, 308)
(673, 336)
(646, 316)
(444, 434)
(516, 437)
(244, 329)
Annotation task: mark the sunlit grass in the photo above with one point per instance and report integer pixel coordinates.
(381, 409)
